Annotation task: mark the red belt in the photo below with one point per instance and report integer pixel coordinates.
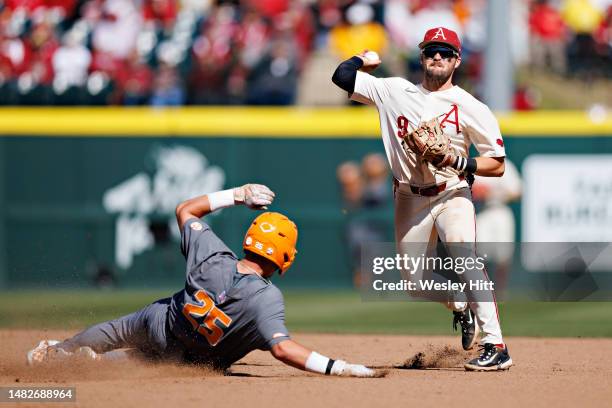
(431, 191)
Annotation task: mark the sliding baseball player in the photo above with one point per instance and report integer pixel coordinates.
(228, 308)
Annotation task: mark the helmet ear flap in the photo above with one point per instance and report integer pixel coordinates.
(289, 258)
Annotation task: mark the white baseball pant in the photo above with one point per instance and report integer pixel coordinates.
(451, 216)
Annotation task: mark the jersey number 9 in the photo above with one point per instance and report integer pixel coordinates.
(402, 126)
(214, 320)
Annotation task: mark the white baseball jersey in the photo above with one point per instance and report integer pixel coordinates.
(402, 106)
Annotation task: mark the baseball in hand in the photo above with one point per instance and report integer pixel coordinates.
(371, 61)
(372, 56)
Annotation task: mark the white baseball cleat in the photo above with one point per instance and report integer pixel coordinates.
(44, 352)
(40, 353)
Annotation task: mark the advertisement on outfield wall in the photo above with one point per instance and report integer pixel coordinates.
(567, 198)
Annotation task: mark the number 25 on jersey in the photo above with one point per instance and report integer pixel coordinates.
(214, 321)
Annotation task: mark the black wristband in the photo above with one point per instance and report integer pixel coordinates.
(330, 364)
(471, 166)
(467, 165)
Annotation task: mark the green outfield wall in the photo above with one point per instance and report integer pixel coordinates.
(57, 166)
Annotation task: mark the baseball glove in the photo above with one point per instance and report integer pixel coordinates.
(430, 142)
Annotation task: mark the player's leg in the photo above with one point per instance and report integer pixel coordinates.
(144, 330)
(413, 219)
(414, 224)
(455, 221)
(415, 234)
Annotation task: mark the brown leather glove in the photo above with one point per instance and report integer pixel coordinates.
(430, 142)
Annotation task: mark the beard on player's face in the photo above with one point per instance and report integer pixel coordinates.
(438, 72)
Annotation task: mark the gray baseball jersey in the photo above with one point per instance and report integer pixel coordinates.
(222, 315)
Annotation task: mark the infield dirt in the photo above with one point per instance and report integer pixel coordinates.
(547, 372)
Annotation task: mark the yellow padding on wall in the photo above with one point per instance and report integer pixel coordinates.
(356, 122)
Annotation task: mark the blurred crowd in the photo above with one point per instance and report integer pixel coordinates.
(158, 52)
(263, 52)
(366, 194)
(571, 37)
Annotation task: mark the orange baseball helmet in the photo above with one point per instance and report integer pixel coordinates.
(272, 236)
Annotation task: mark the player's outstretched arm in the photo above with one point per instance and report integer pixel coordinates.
(254, 196)
(298, 356)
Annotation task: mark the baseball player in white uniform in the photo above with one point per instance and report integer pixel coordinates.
(432, 197)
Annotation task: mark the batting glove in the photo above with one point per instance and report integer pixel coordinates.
(344, 369)
(254, 196)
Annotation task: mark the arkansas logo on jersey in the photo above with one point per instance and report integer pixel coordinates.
(447, 119)
(451, 118)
